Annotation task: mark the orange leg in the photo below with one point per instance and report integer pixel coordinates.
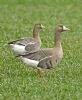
(40, 72)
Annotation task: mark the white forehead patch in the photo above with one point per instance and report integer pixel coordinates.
(64, 28)
(42, 26)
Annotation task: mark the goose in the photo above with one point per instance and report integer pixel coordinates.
(28, 44)
(46, 58)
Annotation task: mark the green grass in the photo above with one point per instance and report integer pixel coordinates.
(17, 80)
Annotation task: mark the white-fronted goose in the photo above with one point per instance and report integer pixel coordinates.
(47, 57)
(28, 44)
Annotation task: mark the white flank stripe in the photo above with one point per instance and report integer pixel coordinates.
(18, 48)
(30, 62)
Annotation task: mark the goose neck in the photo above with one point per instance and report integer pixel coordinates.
(35, 32)
(57, 39)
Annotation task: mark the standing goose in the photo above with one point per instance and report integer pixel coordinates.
(47, 57)
(28, 44)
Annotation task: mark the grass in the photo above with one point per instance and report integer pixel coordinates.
(17, 80)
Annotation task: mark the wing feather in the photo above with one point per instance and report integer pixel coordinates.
(40, 54)
(46, 62)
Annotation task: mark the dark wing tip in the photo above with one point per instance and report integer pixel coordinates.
(12, 42)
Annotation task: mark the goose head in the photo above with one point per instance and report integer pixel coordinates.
(61, 28)
(39, 26)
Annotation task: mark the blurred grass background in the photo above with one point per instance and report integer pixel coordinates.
(17, 80)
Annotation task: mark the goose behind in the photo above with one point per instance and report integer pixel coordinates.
(28, 44)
